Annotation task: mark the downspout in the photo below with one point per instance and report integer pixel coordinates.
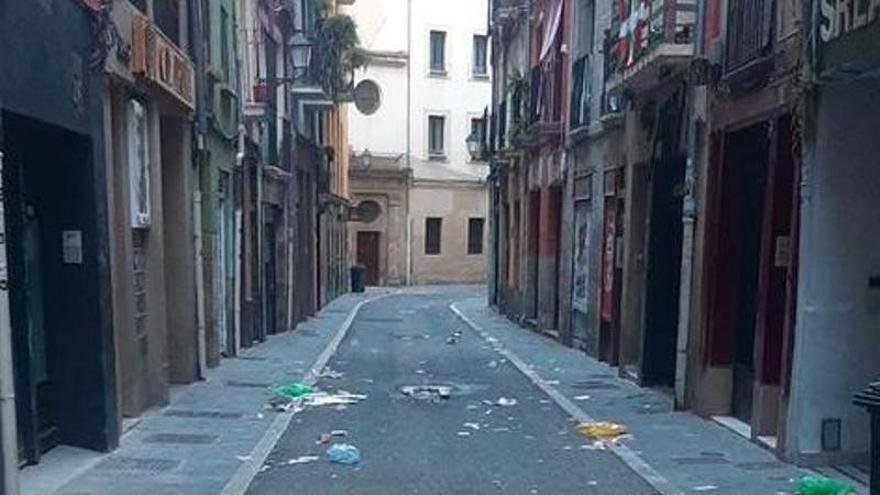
(690, 210)
(8, 434)
(197, 36)
(409, 177)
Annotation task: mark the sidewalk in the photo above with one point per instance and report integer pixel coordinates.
(683, 452)
(211, 437)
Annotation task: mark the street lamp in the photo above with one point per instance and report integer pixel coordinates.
(300, 53)
(475, 146)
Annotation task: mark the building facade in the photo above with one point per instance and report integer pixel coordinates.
(710, 238)
(60, 381)
(427, 68)
(202, 203)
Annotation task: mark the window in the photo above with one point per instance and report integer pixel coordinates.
(584, 30)
(475, 236)
(436, 137)
(138, 164)
(480, 44)
(438, 52)
(433, 229)
(224, 41)
(478, 128)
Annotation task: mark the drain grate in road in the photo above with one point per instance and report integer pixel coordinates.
(138, 465)
(700, 461)
(594, 385)
(377, 319)
(760, 466)
(181, 438)
(238, 384)
(186, 413)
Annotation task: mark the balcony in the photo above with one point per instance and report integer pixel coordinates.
(748, 59)
(649, 44)
(545, 104)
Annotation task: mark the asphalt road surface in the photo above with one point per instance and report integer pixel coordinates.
(433, 445)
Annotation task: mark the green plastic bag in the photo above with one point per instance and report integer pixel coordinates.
(819, 485)
(293, 390)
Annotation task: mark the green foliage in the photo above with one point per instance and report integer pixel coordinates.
(335, 54)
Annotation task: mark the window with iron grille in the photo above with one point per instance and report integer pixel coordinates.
(478, 129)
(433, 232)
(749, 31)
(438, 52)
(475, 235)
(480, 55)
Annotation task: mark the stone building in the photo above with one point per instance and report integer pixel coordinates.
(427, 69)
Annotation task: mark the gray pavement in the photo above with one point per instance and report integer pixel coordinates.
(217, 437)
(445, 446)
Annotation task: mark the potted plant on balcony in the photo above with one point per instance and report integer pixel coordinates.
(336, 56)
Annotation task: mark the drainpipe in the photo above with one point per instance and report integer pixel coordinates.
(8, 434)
(197, 34)
(690, 210)
(409, 219)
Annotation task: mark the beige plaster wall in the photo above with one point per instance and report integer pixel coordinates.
(455, 204)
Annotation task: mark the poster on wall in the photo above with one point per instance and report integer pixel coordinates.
(608, 261)
(581, 252)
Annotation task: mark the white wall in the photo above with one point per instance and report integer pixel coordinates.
(837, 337)
(458, 96)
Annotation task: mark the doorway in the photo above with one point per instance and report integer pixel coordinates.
(663, 276)
(368, 255)
(57, 326)
(754, 264)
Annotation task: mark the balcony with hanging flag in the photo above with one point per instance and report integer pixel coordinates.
(648, 42)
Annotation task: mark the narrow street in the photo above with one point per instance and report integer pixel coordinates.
(425, 445)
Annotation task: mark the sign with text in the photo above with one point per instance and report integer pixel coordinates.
(158, 59)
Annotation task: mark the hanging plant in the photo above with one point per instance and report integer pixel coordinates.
(336, 56)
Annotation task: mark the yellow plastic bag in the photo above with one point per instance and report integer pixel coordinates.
(602, 430)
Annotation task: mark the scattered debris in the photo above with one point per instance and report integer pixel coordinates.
(592, 483)
(451, 341)
(543, 401)
(326, 437)
(343, 453)
(582, 397)
(597, 445)
(473, 426)
(493, 364)
(500, 429)
(265, 467)
(341, 397)
(427, 392)
(243, 458)
(305, 459)
(551, 382)
(260, 415)
(332, 374)
(464, 433)
(602, 430)
(420, 372)
(471, 407)
(292, 390)
(820, 485)
(506, 402)
(283, 404)
(705, 488)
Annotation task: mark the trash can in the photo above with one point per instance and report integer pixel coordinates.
(870, 400)
(358, 278)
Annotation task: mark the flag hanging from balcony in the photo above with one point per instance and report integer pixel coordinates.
(552, 28)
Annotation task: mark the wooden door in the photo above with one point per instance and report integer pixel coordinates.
(368, 255)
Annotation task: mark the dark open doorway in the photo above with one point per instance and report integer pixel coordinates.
(59, 349)
(664, 249)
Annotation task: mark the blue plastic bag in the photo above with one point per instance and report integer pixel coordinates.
(343, 453)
